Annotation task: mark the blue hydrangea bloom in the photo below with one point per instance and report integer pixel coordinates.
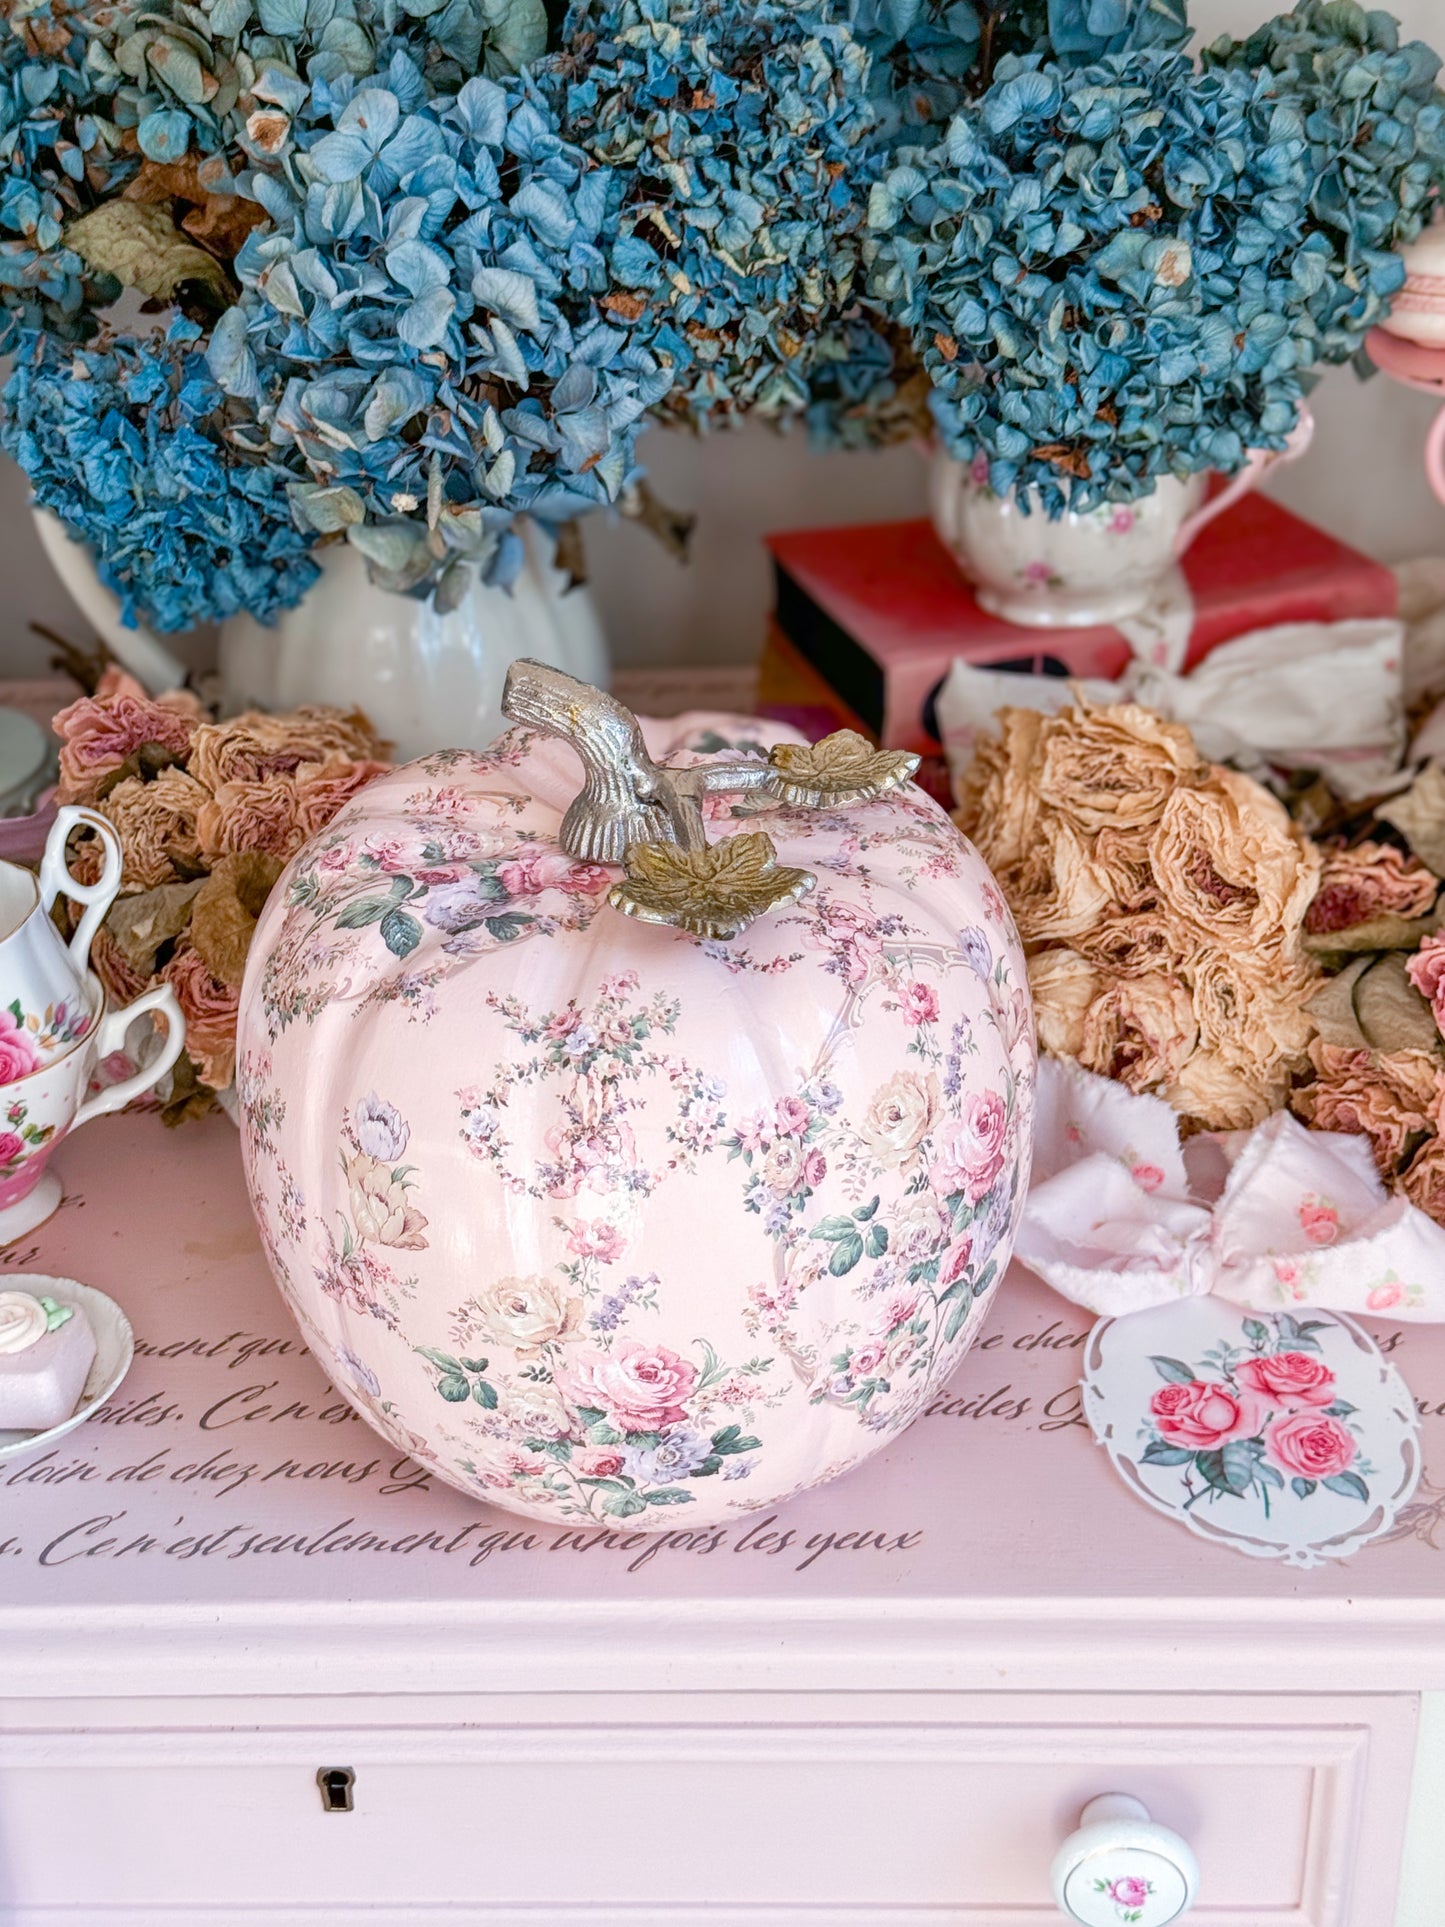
(59, 156)
(737, 131)
(423, 339)
(1119, 271)
(118, 440)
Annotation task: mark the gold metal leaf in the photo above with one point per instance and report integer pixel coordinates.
(844, 768)
(714, 892)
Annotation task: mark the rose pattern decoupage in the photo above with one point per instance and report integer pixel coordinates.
(603, 1221)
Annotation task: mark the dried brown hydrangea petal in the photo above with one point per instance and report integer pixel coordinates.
(713, 892)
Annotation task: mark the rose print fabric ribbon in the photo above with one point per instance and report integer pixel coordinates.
(1122, 1217)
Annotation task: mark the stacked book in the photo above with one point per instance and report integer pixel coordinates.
(868, 620)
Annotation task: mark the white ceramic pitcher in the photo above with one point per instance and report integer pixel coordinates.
(1077, 571)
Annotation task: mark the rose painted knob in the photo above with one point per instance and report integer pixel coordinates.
(1120, 1866)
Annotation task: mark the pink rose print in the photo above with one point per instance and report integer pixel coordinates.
(1201, 1415)
(920, 1004)
(1385, 1297)
(1121, 521)
(598, 1240)
(1320, 1222)
(595, 1462)
(1294, 1380)
(11, 1146)
(535, 871)
(1038, 572)
(792, 1116)
(955, 1262)
(1310, 1445)
(18, 1055)
(1130, 1891)
(638, 1388)
(970, 1149)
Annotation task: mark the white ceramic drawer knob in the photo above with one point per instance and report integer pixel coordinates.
(1120, 1867)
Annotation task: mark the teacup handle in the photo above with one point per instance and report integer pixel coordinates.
(1258, 465)
(111, 1036)
(56, 880)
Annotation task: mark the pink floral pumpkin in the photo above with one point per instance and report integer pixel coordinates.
(603, 1222)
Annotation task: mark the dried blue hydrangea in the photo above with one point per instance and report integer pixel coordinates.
(94, 95)
(928, 56)
(1118, 271)
(1373, 122)
(118, 439)
(59, 156)
(737, 132)
(422, 339)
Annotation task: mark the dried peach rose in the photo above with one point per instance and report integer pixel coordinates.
(249, 748)
(1114, 767)
(251, 816)
(998, 803)
(156, 824)
(1390, 1097)
(1139, 1030)
(1063, 985)
(1227, 857)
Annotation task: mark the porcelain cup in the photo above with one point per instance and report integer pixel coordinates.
(45, 1006)
(1077, 571)
(38, 1111)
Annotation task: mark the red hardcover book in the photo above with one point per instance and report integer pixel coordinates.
(879, 612)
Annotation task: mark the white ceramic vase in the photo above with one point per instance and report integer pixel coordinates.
(1076, 571)
(426, 681)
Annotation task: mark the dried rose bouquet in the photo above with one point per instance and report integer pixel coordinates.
(207, 814)
(1161, 900)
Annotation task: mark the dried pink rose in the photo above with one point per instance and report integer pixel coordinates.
(210, 1008)
(1370, 880)
(251, 816)
(99, 732)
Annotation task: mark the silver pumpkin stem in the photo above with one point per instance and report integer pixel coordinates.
(648, 816)
(626, 798)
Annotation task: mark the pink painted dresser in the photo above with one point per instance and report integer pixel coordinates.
(883, 1706)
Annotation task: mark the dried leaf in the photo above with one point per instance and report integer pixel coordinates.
(189, 1097)
(1378, 933)
(140, 924)
(227, 905)
(1372, 1005)
(1419, 816)
(139, 243)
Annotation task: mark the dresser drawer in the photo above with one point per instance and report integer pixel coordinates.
(921, 1809)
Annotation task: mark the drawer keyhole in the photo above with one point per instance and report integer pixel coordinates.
(335, 1783)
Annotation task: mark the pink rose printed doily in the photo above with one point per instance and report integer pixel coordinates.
(1287, 1436)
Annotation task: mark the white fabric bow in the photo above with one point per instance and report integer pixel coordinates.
(1316, 695)
(1121, 1217)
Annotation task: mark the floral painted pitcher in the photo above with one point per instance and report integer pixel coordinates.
(1080, 570)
